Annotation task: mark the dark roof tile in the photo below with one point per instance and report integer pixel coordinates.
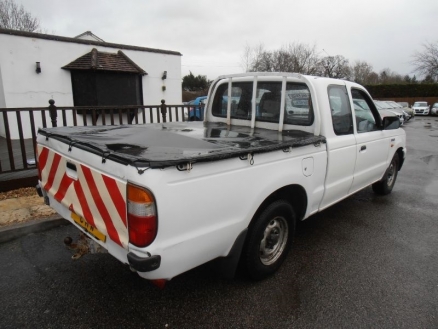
(102, 61)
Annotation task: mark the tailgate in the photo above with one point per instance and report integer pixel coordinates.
(95, 197)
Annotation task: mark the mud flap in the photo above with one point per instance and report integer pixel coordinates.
(228, 265)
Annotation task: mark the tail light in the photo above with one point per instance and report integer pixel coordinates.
(142, 216)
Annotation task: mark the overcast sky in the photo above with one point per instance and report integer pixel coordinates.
(212, 34)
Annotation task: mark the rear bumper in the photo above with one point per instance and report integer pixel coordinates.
(141, 264)
(39, 190)
(42, 193)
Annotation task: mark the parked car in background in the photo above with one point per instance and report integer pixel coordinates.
(398, 109)
(421, 108)
(384, 106)
(196, 111)
(386, 113)
(406, 108)
(434, 109)
(409, 112)
(361, 107)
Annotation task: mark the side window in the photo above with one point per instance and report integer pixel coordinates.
(341, 111)
(365, 120)
(299, 110)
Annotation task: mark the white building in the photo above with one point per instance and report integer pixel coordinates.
(82, 71)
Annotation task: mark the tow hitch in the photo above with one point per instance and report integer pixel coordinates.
(83, 246)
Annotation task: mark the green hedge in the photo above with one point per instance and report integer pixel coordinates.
(406, 90)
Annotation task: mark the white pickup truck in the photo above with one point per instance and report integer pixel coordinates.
(273, 149)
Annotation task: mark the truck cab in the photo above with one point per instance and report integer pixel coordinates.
(359, 146)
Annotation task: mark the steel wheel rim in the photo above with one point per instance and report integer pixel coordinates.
(391, 173)
(274, 240)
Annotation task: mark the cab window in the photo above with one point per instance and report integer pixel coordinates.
(363, 113)
(241, 95)
(297, 110)
(340, 110)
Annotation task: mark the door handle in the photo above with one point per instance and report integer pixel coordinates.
(363, 148)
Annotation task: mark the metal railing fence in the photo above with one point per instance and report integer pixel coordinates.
(19, 126)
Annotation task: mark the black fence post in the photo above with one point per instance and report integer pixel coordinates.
(163, 110)
(53, 112)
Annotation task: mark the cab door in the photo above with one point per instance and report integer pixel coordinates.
(341, 147)
(372, 143)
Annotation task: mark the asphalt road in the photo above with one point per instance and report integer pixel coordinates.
(367, 262)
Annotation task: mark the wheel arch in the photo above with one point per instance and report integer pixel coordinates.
(295, 194)
(400, 157)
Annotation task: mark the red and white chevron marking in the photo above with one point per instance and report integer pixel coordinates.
(99, 199)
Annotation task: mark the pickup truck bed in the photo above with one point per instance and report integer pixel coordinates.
(167, 144)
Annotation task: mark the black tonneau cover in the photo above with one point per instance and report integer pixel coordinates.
(177, 143)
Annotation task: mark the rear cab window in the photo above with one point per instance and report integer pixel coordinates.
(297, 109)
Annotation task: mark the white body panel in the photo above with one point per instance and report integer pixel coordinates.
(201, 212)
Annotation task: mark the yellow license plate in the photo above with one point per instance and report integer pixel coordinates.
(87, 227)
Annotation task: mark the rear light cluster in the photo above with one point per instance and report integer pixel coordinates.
(142, 216)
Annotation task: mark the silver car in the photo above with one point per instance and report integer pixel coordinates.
(384, 106)
(421, 108)
(434, 109)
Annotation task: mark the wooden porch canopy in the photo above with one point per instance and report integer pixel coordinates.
(102, 61)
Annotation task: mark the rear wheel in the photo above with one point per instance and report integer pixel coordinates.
(386, 184)
(269, 239)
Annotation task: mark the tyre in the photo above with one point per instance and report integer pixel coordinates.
(268, 240)
(386, 184)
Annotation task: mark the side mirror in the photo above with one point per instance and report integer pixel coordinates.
(391, 123)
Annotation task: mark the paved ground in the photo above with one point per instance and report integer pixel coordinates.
(367, 262)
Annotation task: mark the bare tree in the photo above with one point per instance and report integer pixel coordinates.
(304, 58)
(15, 17)
(246, 58)
(295, 57)
(259, 59)
(426, 62)
(263, 62)
(373, 79)
(387, 76)
(361, 72)
(335, 67)
(428, 79)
